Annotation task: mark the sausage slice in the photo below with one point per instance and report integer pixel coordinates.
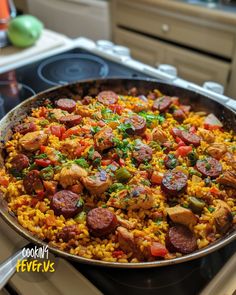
(66, 104)
(32, 182)
(107, 97)
(142, 153)
(137, 125)
(66, 203)
(19, 162)
(25, 128)
(181, 239)
(209, 167)
(70, 120)
(174, 181)
(162, 104)
(101, 222)
(190, 138)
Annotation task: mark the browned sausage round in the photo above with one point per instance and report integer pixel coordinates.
(209, 167)
(162, 104)
(138, 125)
(101, 222)
(68, 232)
(66, 203)
(190, 138)
(71, 120)
(19, 162)
(179, 115)
(32, 182)
(87, 100)
(174, 181)
(25, 128)
(142, 153)
(181, 239)
(176, 132)
(66, 104)
(107, 97)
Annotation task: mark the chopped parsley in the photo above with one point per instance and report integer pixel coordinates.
(41, 156)
(81, 162)
(123, 128)
(151, 118)
(95, 129)
(80, 203)
(211, 209)
(122, 147)
(91, 153)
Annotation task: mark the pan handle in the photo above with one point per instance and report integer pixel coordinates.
(8, 268)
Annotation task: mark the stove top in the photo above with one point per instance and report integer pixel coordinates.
(79, 64)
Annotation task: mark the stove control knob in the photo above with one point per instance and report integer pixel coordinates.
(121, 50)
(105, 45)
(168, 69)
(213, 86)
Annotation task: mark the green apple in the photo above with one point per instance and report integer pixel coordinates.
(24, 30)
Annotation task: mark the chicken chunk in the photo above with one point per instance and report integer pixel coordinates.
(71, 174)
(140, 105)
(98, 183)
(222, 216)
(84, 111)
(33, 140)
(207, 135)
(56, 114)
(217, 150)
(138, 197)
(230, 159)
(103, 139)
(182, 215)
(126, 223)
(126, 240)
(159, 135)
(228, 178)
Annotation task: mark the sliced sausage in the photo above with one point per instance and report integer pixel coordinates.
(174, 181)
(142, 153)
(66, 203)
(179, 115)
(176, 132)
(98, 183)
(107, 97)
(190, 138)
(25, 128)
(70, 120)
(209, 167)
(181, 239)
(162, 104)
(32, 182)
(33, 140)
(103, 139)
(171, 161)
(101, 222)
(68, 232)
(137, 123)
(19, 162)
(87, 100)
(66, 104)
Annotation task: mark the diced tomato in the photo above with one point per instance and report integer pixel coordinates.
(122, 162)
(179, 141)
(116, 109)
(115, 156)
(81, 148)
(69, 132)
(43, 162)
(158, 250)
(57, 130)
(117, 253)
(43, 112)
(192, 129)
(175, 100)
(4, 181)
(156, 177)
(40, 194)
(211, 127)
(42, 148)
(50, 220)
(183, 151)
(214, 190)
(212, 122)
(106, 162)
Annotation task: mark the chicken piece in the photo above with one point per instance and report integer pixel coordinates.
(69, 146)
(217, 150)
(71, 174)
(56, 114)
(52, 154)
(227, 178)
(50, 187)
(182, 215)
(84, 111)
(33, 140)
(138, 197)
(222, 216)
(159, 135)
(103, 139)
(207, 135)
(98, 183)
(140, 105)
(230, 159)
(126, 223)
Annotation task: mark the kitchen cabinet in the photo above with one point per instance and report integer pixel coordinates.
(201, 48)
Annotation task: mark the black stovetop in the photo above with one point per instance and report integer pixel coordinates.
(183, 279)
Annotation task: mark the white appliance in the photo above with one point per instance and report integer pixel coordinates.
(88, 18)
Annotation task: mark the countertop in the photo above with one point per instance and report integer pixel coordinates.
(224, 14)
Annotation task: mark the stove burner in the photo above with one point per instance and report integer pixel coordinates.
(72, 67)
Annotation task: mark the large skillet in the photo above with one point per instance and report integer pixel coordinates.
(121, 86)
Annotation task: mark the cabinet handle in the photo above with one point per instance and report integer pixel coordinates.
(165, 28)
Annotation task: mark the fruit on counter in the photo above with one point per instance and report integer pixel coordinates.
(24, 30)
